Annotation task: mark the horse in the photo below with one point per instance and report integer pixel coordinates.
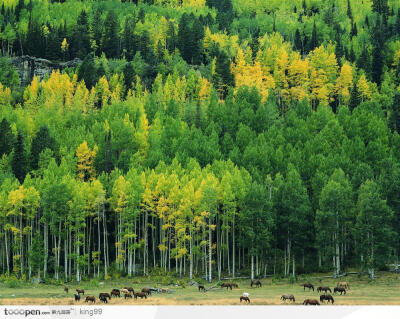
(247, 299)
(257, 283)
(80, 291)
(226, 285)
(289, 297)
(103, 299)
(325, 289)
(105, 295)
(124, 291)
(339, 289)
(116, 293)
(308, 285)
(202, 288)
(327, 298)
(90, 298)
(246, 294)
(130, 289)
(147, 291)
(66, 289)
(343, 284)
(312, 302)
(128, 295)
(141, 295)
(235, 285)
(77, 297)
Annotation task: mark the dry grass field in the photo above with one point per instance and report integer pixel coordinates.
(385, 290)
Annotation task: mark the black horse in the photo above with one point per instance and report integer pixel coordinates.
(202, 288)
(103, 299)
(257, 283)
(339, 289)
(77, 297)
(328, 298)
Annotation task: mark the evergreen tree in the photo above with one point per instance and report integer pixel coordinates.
(223, 77)
(355, 99)
(19, 161)
(129, 40)
(87, 71)
(349, 12)
(110, 43)
(298, 44)
(80, 41)
(40, 142)
(6, 138)
(394, 117)
(314, 39)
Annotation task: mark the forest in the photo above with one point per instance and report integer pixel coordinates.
(200, 138)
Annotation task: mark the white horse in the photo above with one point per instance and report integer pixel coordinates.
(246, 294)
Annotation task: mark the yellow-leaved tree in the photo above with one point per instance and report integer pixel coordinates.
(84, 165)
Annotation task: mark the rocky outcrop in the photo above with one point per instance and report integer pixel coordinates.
(28, 67)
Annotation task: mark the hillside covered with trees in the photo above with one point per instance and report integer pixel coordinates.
(200, 138)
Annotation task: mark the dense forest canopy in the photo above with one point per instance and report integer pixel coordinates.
(200, 138)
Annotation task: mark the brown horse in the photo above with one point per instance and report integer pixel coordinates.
(147, 291)
(66, 289)
(116, 293)
(343, 284)
(288, 297)
(128, 295)
(130, 289)
(80, 291)
(141, 295)
(308, 285)
(90, 298)
(226, 285)
(247, 299)
(202, 288)
(325, 289)
(339, 289)
(328, 298)
(312, 302)
(235, 285)
(257, 283)
(105, 295)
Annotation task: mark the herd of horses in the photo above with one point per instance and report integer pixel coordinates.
(129, 292)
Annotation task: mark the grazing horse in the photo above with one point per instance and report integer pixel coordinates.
(147, 291)
(339, 289)
(308, 285)
(77, 297)
(327, 298)
(103, 299)
(247, 299)
(325, 289)
(288, 297)
(105, 295)
(128, 295)
(141, 295)
(130, 289)
(312, 302)
(235, 285)
(246, 294)
(124, 291)
(80, 291)
(116, 293)
(343, 284)
(90, 298)
(257, 283)
(66, 289)
(226, 285)
(202, 288)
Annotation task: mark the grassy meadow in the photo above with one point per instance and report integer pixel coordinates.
(385, 290)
